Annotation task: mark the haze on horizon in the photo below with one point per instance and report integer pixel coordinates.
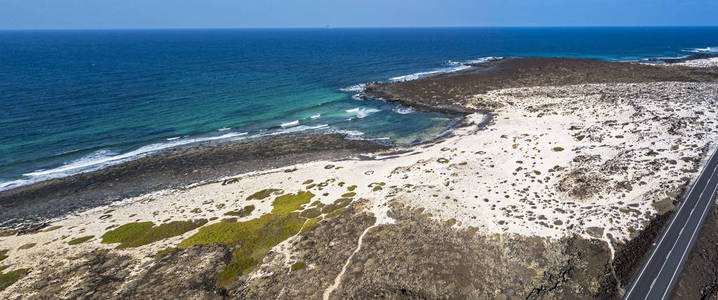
(142, 14)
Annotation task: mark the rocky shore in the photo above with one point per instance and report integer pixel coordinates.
(176, 168)
(560, 177)
(450, 92)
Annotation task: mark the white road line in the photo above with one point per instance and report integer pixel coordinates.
(635, 282)
(690, 241)
(678, 238)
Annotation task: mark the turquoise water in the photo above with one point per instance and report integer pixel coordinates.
(74, 101)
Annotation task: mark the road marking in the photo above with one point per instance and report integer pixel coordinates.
(690, 241)
(635, 282)
(680, 233)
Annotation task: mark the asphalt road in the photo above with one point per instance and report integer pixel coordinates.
(659, 274)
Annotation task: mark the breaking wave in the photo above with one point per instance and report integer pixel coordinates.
(104, 158)
(361, 112)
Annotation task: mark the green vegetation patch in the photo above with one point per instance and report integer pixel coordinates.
(310, 224)
(7, 279)
(338, 204)
(298, 266)
(80, 240)
(351, 188)
(254, 239)
(8, 233)
(3, 254)
(51, 228)
(165, 252)
(311, 212)
(125, 232)
(349, 195)
(27, 246)
(139, 234)
(335, 213)
(290, 202)
(557, 149)
(246, 211)
(341, 202)
(264, 194)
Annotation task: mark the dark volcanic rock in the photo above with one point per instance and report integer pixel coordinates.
(629, 256)
(176, 168)
(450, 92)
(185, 273)
(421, 258)
(700, 274)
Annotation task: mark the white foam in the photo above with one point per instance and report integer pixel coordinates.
(452, 63)
(290, 124)
(662, 58)
(316, 116)
(349, 133)
(403, 110)
(362, 112)
(354, 88)
(451, 66)
(429, 73)
(483, 60)
(704, 50)
(297, 129)
(104, 158)
(224, 129)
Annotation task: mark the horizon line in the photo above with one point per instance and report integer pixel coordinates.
(330, 27)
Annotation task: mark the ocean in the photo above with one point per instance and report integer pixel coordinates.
(77, 101)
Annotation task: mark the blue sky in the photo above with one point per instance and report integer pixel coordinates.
(105, 14)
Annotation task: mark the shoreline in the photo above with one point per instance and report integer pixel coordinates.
(113, 183)
(106, 184)
(493, 75)
(378, 92)
(448, 92)
(35, 203)
(560, 203)
(332, 146)
(567, 181)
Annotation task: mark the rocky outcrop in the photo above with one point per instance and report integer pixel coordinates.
(418, 257)
(450, 92)
(185, 273)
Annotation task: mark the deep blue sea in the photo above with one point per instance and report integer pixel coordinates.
(74, 101)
